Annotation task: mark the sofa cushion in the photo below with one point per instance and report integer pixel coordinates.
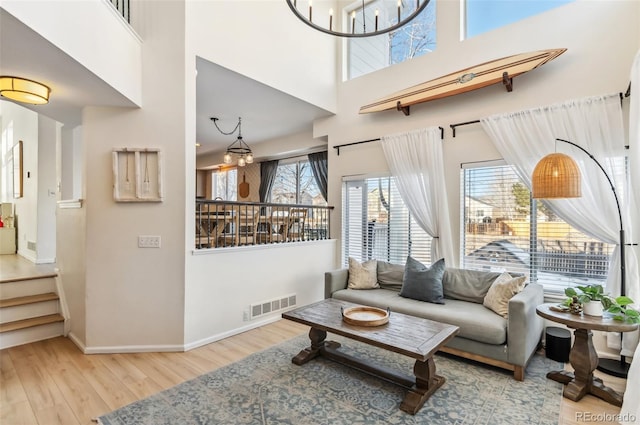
(390, 275)
(476, 322)
(502, 290)
(423, 283)
(362, 275)
(467, 285)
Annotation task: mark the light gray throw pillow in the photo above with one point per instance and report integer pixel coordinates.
(390, 275)
(467, 285)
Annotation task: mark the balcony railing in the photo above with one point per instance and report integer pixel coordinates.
(122, 6)
(221, 224)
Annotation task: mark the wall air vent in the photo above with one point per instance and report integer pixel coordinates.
(271, 306)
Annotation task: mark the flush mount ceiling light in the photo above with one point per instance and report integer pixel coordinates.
(380, 21)
(239, 147)
(23, 90)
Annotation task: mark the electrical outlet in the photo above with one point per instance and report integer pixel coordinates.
(148, 241)
(245, 315)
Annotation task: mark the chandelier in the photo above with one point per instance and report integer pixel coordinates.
(380, 22)
(239, 147)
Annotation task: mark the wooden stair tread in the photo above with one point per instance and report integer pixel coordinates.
(27, 323)
(30, 299)
(28, 277)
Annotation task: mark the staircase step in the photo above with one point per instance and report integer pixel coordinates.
(28, 323)
(25, 287)
(30, 299)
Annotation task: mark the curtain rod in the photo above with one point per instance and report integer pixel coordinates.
(337, 147)
(453, 126)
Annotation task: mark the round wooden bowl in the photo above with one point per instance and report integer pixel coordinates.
(365, 316)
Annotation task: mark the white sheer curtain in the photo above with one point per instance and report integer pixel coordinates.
(630, 411)
(595, 124)
(415, 160)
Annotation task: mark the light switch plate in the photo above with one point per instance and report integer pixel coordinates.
(148, 241)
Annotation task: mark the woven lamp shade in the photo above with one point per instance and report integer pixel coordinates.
(556, 176)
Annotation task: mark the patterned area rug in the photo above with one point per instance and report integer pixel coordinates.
(266, 388)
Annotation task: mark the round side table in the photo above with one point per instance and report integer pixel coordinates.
(583, 356)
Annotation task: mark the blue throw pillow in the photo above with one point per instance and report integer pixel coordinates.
(423, 283)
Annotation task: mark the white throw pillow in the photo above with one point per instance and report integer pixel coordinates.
(362, 275)
(501, 291)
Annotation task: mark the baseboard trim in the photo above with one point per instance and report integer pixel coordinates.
(169, 348)
(77, 341)
(218, 337)
(134, 349)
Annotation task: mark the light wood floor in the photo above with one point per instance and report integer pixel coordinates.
(51, 382)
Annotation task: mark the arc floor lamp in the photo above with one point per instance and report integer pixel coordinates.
(557, 176)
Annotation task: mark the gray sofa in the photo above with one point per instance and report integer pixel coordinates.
(484, 335)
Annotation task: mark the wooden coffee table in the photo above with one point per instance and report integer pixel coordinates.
(408, 335)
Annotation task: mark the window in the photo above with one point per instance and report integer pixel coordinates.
(377, 224)
(295, 184)
(224, 184)
(485, 15)
(506, 230)
(370, 54)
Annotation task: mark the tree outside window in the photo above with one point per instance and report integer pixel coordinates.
(295, 184)
(224, 184)
(414, 39)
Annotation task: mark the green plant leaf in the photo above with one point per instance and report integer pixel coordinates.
(570, 292)
(624, 300)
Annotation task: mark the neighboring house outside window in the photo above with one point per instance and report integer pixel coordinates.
(504, 229)
(295, 184)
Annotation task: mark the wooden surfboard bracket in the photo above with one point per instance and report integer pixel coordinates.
(507, 81)
(405, 109)
(497, 71)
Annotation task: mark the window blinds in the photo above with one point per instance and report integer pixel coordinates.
(377, 224)
(504, 229)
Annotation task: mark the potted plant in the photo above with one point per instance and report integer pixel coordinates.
(590, 296)
(592, 300)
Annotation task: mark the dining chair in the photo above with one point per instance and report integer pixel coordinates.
(297, 223)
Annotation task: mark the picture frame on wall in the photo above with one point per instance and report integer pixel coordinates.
(137, 175)
(16, 160)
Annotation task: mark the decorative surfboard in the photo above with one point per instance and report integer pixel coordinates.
(496, 71)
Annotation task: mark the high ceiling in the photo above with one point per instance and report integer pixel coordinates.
(24, 53)
(266, 113)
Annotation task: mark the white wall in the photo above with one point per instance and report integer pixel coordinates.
(134, 296)
(226, 281)
(21, 124)
(71, 263)
(601, 37)
(140, 299)
(49, 133)
(263, 40)
(74, 32)
(71, 174)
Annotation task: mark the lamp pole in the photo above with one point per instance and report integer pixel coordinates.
(610, 366)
